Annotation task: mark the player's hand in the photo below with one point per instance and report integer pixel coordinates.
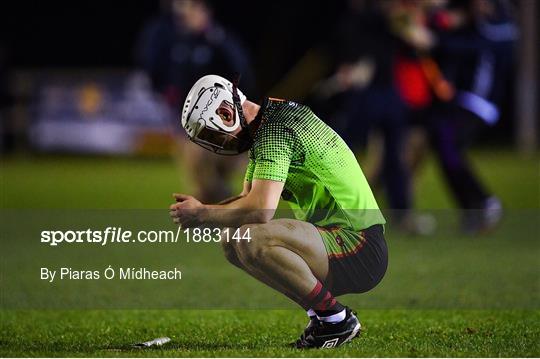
(187, 211)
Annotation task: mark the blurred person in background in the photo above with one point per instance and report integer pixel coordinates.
(363, 94)
(182, 44)
(474, 51)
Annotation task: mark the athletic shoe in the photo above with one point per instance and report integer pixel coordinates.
(417, 224)
(483, 220)
(313, 322)
(329, 335)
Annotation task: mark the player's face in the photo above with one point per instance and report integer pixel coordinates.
(227, 114)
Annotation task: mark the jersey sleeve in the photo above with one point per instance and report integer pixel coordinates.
(273, 153)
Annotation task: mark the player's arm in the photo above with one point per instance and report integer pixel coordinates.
(267, 172)
(245, 191)
(257, 206)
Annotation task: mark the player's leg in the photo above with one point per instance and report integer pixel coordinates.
(230, 254)
(291, 257)
(288, 251)
(229, 249)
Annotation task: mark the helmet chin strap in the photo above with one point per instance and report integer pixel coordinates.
(238, 103)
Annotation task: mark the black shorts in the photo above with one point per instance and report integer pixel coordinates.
(357, 260)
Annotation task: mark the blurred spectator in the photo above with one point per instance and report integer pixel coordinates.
(362, 96)
(181, 45)
(475, 54)
(184, 43)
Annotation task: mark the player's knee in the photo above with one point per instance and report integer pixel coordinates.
(229, 252)
(252, 251)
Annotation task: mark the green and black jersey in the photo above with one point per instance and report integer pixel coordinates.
(323, 181)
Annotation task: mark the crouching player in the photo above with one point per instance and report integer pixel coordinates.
(336, 243)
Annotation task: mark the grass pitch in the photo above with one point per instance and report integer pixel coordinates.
(238, 333)
(446, 295)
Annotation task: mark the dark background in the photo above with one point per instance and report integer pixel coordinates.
(103, 33)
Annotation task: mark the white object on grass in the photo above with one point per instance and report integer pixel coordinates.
(156, 342)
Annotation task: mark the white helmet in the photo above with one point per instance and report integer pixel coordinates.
(212, 114)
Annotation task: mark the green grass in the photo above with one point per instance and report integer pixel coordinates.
(90, 182)
(445, 295)
(266, 334)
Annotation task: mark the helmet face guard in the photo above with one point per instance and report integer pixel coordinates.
(221, 142)
(213, 116)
